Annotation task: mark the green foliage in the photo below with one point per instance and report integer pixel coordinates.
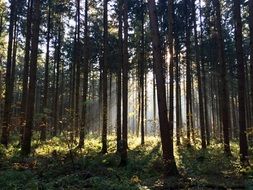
(54, 166)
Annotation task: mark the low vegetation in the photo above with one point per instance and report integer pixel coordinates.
(57, 164)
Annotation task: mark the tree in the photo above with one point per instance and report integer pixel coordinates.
(105, 73)
(225, 114)
(188, 73)
(26, 65)
(200, 89)
(85, 74)
(125, 86)
(8, 80)
(46, 79)
(241, 83)
(119, 77)
(26, 144)
(170, 167)
(251, 47)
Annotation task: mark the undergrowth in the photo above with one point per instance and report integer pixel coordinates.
(58, 164)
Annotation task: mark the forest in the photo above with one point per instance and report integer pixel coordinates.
(126, 94)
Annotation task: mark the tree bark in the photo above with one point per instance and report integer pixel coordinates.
(224, 84)
(8, 78)
(86, 75)
(125, 86)
(46, 79)
(170, 167)
(105, 73)
(26, 144)
(241, 83)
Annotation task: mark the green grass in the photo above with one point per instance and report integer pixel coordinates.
(54, 166)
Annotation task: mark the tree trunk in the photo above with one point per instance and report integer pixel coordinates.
(188, 76)
(26, 144)
(9, 88)
(78, 66)
(224, 84)
(166, 128)
(26, 67)
(105, 73)
(251, 53)
(142, 71)
(46, 79)
(241, 83)
(56, 95)
(86, 75)
(125, 86)
(200, 92)
(119, 78)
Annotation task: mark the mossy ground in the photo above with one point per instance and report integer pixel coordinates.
(56, 164)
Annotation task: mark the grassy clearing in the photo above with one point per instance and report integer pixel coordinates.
(57, 165)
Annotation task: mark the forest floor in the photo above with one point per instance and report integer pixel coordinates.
(57, 165)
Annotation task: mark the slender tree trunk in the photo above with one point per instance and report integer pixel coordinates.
(188, 76)
(125, 86)
(119, 78)
(26, 67)
(177, 78)
(142, 69)
(85, 81)
(105, 73)
(166, 127)
(251, 54)
(56, 97)
(8, 88)
(224, 84)
(78, 66)
(200, 92)
(46, 79)
(26, 144)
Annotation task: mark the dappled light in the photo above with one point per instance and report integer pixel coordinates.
(126, 94)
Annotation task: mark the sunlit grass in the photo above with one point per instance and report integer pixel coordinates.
(58, 163)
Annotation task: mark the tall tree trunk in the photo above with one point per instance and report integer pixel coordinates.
(125, 85)
(166, 127)
(26, 67)
(8, 87)
(241, 83)
(188, 75)
(251, 52)
(177, 78)
(56, 95)
(46, 79)
(200, 91)
(105, 73)
(119, 78)
(78, 66)
(206, 116)
(224, 84)
(142, 71)
(26, 144)
(86, 75)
